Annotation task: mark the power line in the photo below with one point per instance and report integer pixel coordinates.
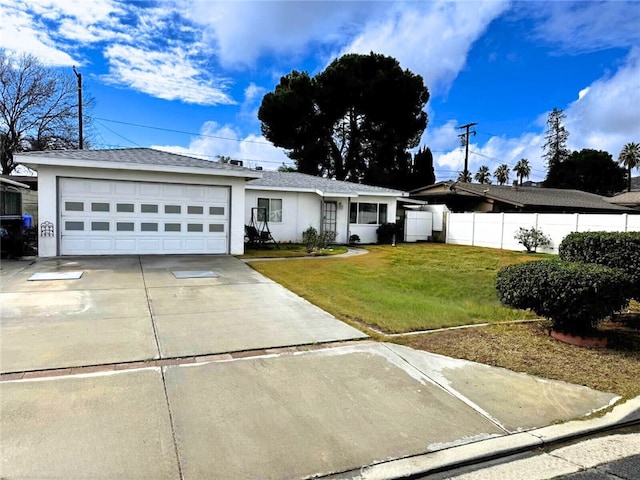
(180, 131)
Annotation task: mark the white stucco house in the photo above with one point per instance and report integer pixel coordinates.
(137, 201)
(296, 201)
(144, 201)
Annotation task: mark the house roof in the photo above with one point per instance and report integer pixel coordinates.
(627, 199)
(301, 182)
(133, 159)
(526, 196)
(12, 183)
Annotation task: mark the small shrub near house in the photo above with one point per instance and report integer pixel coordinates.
(389, 233)
(315, 241)
(532, 238)
(611, 249)
(574, 296)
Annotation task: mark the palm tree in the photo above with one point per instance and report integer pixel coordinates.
(464, 177)
(483, 175)
(522, 169)
(502, 174)
(630, 158)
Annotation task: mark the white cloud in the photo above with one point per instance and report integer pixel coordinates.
(606, 115)
(243, 31)
(20, 34)
(429, 38)
(216, 140)
(586, 25)
(170, 74)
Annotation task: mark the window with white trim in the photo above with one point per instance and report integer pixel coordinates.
(272, 207)
(364, 213)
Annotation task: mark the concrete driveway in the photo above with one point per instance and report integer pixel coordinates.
(126, 309)
(130, 372)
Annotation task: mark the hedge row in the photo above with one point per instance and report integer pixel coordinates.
(575, 296)
(611, 249)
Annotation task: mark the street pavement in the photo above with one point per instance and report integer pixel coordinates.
(130, 372)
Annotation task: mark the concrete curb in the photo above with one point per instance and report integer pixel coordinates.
(625, 414)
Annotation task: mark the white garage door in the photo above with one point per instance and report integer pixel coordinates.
(114, 217)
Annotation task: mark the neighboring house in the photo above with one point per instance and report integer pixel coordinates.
(473, 197)
(137, 201)
(296, 201)
(30, 196)
(11, 221)
(627, 199)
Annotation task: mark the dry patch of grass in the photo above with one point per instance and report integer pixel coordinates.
(527, 347)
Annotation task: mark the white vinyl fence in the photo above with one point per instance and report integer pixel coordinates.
(496, 230)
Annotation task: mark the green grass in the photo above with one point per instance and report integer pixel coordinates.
(286, 250)
(404, 288)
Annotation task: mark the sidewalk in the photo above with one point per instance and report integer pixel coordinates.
(450, 463)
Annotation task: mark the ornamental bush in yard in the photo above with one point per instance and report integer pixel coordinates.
(611, 249)
(574, 296)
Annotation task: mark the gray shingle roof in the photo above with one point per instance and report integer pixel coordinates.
(627, 199)
(304, 182)
(535, 196)
(136, 156)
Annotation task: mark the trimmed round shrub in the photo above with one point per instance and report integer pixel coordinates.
(574, 296)
(611, 249)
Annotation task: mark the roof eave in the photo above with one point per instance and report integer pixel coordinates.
(147, 167)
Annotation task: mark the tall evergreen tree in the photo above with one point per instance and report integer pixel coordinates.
(556, 135)
(353, 121)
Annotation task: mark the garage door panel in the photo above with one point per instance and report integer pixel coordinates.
(102, 217)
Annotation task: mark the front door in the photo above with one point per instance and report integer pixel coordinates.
(329, 214)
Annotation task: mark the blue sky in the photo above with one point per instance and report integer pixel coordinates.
(188, 76)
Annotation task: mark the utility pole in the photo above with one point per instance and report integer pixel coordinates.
(79, 77)
(464, 137)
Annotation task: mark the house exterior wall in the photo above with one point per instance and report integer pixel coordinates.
(367, 233)
(300, 210)
(496, 230)
(48, 198)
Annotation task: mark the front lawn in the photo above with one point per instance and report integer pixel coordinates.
(404, 288)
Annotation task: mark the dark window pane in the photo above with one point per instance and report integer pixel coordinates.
(100, 226)
(148, 227)
(263, 209)
(172, 227)
(74, 225)
(148, 208)
(124, 207)
(194, 227)
(74, 206)
(368, 213)
(124, 226)
(99, 207)
(172, 209)
(195, 210)
(353, 213)
(216, 227)
(216, 210)
(382, 213)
